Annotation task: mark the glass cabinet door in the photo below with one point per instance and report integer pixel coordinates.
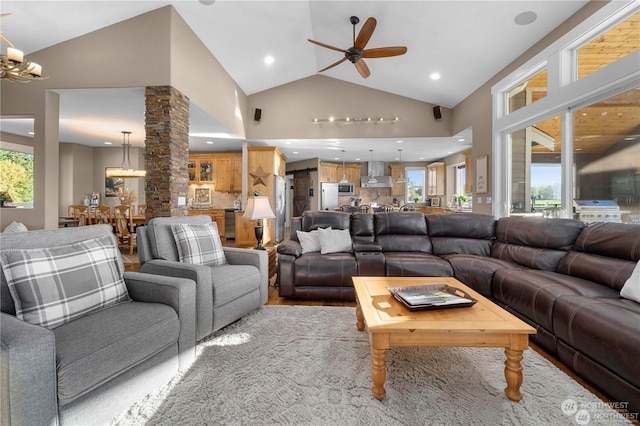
(206, 171)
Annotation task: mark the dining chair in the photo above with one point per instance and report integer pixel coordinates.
(80, 213)
(407, 208)
(142, 209)
(382, 208)
(364, 208)
(124, 229)
(101, 214)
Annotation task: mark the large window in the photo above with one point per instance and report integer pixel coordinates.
(606, 152)
(582, 141)
(415, 184)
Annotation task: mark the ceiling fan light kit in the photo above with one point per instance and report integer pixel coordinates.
(356, 53)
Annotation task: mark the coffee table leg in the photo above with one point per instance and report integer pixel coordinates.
(359, 316)
(513, 374)
(378, 365)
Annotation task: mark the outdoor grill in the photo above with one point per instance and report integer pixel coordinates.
(597, 211)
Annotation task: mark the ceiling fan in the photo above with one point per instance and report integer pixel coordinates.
(357, 52)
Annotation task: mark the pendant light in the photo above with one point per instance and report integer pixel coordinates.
(344, 171)
(401, 178)
(125, 170)
(372, 179)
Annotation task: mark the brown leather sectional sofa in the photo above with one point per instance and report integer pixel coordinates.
(559, 275)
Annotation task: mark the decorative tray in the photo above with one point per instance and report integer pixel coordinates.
(433, 296)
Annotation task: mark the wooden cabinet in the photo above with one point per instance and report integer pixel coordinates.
(201, 169)
(216, 215)
(329, 172)
(435, 179)
(264, 163)
(398, 189)
(246, 233)
(228, 172)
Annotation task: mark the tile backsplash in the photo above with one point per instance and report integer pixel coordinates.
(218, 200)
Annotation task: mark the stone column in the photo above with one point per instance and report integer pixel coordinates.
(166, 151)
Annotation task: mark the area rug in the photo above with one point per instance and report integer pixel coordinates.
(297, 365)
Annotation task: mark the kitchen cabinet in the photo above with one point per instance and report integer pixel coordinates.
(435, 179)
(398, 189)
(332, 172)
(228, 172)
(216, 215)
(201, 169)
(329, 172)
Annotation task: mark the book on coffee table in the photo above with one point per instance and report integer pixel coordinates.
(435, 296)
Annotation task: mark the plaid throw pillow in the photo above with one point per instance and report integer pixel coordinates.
(199, 244)
(52, 286)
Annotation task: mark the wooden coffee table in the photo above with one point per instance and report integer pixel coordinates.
(390, 324)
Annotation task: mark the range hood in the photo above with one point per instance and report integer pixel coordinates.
(376, 169)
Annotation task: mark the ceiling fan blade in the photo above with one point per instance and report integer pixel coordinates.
(334, 64)
(327, 46)
(365, 33)
(383, 52)
(362, 68)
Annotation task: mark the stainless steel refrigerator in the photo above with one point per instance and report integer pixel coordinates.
(328, 196)
(279, 208)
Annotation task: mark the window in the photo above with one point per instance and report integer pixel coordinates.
(533, 89)
(588, 149)
(609, 46)
(16, 177)
(415, 184)
(460, 179)
(606, 151)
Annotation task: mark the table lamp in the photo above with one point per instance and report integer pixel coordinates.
(258, 208)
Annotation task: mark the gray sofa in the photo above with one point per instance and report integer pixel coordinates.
(224, 293)
(88, 370)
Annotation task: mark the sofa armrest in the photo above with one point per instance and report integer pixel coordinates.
(257, 258)
(290, 247)
(363, 247)
(199, 273)
(180, 294)
(28, 380)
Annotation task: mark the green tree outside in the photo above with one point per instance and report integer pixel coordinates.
(16, 175)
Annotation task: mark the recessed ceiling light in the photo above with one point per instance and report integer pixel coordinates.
(209, 142)
(357, 159)
(525, 18)
(435, 76)
(449, 152)
(268, 60)
(108, 143)
(461, 140)
(295, 152)
(31, 133)
(398, 141)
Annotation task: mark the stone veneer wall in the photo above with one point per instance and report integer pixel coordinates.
(166, 151)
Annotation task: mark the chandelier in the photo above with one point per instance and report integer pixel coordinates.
(15, 67)
(125, 170)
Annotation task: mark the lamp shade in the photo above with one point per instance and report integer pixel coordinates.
(258, 208)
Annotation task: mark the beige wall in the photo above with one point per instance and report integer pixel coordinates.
(288, 111)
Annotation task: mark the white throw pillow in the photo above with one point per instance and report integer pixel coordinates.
(14, 227)
(631, 289)
(309, 241)
(335, 241)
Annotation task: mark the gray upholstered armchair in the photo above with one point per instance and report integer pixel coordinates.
(85, 366)
(224, 293)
